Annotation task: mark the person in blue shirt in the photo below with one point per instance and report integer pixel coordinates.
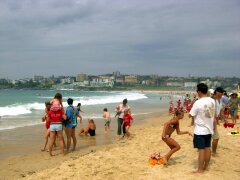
(72, 114)
(225, 98)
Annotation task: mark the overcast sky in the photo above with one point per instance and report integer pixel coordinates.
(165, 37)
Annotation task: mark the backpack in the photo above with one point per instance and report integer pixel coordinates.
(74, 115)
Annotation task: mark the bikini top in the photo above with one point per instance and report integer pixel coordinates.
(173, 126)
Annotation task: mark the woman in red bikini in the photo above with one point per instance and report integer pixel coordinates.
(168, 128)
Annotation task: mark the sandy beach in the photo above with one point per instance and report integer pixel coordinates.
(128, 159)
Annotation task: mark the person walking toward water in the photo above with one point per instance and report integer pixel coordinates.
(107, 119)
(168, 128)
(203, 111)
(120, 111)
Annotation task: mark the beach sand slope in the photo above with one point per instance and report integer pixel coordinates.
(128, 159)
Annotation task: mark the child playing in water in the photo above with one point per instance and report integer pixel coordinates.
(107, 119)
(127, 121)
(168, 128)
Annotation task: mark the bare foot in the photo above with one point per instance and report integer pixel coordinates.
(214, 155)
(118, 137)
(198, 171)
(205, 169)
(165, 161)
(42, 149)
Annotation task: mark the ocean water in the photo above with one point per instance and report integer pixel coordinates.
(19, 108)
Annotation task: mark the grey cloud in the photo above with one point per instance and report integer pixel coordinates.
(126, 35)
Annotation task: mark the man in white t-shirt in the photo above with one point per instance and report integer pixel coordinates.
(203, 111)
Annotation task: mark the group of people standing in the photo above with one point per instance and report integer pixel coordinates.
(206, 112)
(58, 120)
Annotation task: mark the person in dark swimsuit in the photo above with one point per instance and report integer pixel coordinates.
(90, 130)
(168, 128)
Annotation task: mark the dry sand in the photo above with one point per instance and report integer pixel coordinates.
(128, 159)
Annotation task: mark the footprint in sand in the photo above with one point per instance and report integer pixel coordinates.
(71, 165)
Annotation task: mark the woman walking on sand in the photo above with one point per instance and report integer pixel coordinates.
(168, 128)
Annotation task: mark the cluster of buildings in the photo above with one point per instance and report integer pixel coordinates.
(116, 79)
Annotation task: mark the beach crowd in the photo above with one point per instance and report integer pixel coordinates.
(207, 109)
(58, 120)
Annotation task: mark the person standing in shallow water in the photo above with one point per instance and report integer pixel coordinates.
(120, 112)
(107, 119)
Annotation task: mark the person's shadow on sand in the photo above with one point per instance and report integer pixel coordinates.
(195, 163)
(176, 160)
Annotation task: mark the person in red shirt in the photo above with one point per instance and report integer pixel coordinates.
(55, 118)
(44, 118)
(127, 121)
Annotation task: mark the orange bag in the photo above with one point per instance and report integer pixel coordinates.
(153, 161)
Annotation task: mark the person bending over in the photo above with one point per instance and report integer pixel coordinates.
(168, 128)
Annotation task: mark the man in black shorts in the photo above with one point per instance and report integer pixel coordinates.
(203, 113)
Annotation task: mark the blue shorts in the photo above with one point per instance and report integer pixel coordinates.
(56, 127)
(202, 141)
(70, 125)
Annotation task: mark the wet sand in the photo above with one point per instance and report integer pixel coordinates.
(20, 153)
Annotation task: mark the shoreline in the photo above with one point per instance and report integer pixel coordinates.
(33, 136)
(18, 152)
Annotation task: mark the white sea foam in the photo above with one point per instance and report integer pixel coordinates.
(21, 109)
